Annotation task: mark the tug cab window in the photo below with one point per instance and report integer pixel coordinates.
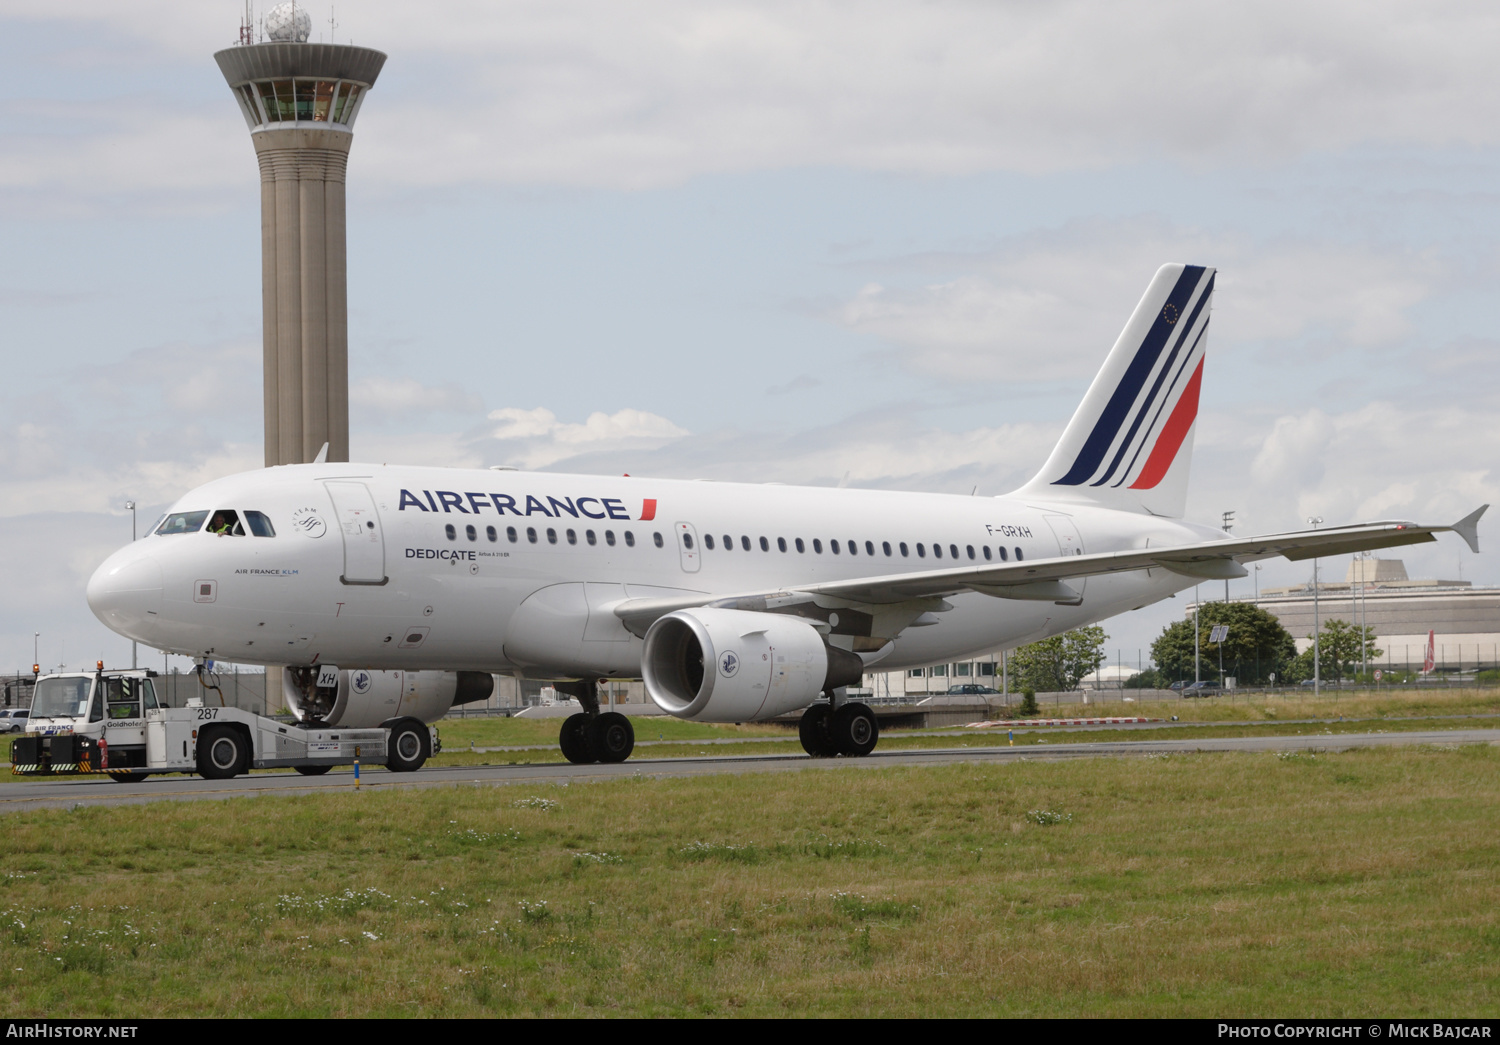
(182, 522)
(123, 698)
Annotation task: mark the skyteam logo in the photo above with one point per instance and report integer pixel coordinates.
(729, 663)
(361, 681)
(1153, 405)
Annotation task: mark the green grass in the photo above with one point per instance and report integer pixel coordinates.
(1200, 885)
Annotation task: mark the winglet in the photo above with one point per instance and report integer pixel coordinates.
(1468, 528)
(322, 457)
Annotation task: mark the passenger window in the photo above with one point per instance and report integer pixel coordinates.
(1004, 555)
(870, 548)
(471, 533)
(510, 534)
(551, 535)
(801, 548)
(781, 543)
(226, 523)
(853, 548)
(609, 538)
(687, 541)
(885, 546)
(765, 545)
(953, 551)
(708, 541)
(970, 549)
(744, 542)
(1019, 556)
(921, 551)
(572, 537)
(986, 553)
(728, 543)
(489, 531)
(833, 546)
(260, 526)
(817, 546)
(937, 551)
(451, 532)
(904, 552)
(629, 539)
(588, 535)
(656, 539)
(531, 534)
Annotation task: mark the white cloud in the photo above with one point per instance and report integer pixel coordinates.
(392, 396)
(603, 94)
(1048, 305)
(536, 438)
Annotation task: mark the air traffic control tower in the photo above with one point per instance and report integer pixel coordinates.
(300, 100)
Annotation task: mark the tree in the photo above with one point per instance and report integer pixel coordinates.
(1061, 662)
(1338, 651)
(1257, 645)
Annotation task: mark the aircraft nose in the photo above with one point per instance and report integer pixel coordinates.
(126, 591)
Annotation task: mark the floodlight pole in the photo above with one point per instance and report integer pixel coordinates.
(1227, 520)
(1196, 602)
(1315, 522)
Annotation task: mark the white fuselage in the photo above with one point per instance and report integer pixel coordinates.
(378, 579)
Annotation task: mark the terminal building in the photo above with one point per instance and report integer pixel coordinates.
(1464, 620)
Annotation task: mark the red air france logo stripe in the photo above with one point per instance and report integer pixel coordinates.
(648, 509)
(1170, 440)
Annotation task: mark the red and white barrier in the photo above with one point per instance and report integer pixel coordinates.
(1059, 722)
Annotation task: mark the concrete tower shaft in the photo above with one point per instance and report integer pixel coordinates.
(300, 101)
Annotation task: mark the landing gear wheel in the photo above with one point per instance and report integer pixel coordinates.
(125, 777)
(854, 730)
(408, 747)
(613, 736)
(577, 740)
(812, 730)
(221, 753)
(312, 770)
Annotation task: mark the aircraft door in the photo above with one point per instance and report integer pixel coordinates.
(364, 541)
(687, 547)
(1069, 543)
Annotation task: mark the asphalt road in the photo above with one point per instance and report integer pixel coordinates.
(33, 793)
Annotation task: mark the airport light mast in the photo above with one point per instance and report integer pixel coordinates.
(300, 101)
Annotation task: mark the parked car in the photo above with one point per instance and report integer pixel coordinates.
(970, 689)
(14, 721)
(1201, 689)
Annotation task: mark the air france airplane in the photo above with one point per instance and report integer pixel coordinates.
(733, 602)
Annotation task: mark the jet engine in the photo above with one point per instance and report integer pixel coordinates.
(363, 698)
(714, 665)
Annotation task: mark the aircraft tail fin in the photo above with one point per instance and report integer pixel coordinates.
(1130, 443)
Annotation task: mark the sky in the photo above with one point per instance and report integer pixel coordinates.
(886, 244)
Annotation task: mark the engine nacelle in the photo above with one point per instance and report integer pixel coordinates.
(714, 665)
(364, 698)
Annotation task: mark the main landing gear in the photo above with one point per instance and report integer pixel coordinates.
(850, 729)
(590, 736)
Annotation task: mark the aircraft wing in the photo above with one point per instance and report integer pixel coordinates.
(1046, 579)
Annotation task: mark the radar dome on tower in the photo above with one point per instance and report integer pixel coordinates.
(288, 23)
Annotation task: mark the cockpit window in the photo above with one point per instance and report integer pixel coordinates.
(183, 522)
(226, 523)
(259, 524)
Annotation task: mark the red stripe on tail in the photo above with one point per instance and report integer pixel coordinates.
(1170, 440)
(648, 510)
